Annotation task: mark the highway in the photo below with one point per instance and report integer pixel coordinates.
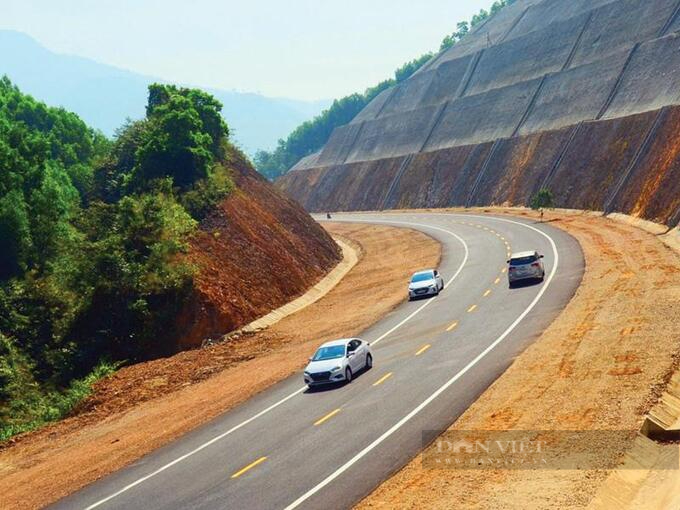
(292, 448)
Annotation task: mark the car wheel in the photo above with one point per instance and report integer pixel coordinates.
(348, 375)
(369, 362)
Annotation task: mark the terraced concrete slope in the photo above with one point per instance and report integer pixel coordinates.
(580, 96)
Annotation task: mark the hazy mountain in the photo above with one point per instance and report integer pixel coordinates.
(104, 96)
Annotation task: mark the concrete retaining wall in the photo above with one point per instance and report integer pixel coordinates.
(651, 80)
(619, 25)
(579, 95)
(483, 117)
(374, 108)
(574, 95)
(394, 135)
(527, 57)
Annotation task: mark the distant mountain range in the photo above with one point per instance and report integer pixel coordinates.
(104, 96)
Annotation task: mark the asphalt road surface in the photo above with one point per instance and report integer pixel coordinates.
(292, 448)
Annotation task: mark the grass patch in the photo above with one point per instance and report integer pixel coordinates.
(37, 410)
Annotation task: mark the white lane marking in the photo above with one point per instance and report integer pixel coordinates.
(194, 451)
(441, 389)
(449, 282)
(297, 392)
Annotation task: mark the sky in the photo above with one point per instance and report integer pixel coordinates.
(302, 49)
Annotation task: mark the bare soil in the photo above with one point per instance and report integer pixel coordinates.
(257, 251)
(145, 406)
(600, 366)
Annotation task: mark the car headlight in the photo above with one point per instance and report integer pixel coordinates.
(336, 369)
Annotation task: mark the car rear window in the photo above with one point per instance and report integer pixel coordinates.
(520, 261)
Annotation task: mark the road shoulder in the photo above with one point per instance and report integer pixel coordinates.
(146, 406)
(600, 366)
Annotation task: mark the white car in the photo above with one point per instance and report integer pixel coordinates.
(525, 265)
(338, 361)
(425, 283)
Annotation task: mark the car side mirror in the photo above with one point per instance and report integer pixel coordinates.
(507, 261)
(541, 256)
(309, 359)
(350, 354)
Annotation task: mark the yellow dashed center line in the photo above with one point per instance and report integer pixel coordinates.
(472, 308)
(423, 349)
(327, 417)
(497, 281)
(504, 270)
(383, 379)
(487, 293)
(452, 326)
(249, 467)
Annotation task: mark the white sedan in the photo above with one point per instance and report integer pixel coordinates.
(425, 283)
(338, 361)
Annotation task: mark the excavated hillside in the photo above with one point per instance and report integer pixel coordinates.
(258, 251)
(578, 96)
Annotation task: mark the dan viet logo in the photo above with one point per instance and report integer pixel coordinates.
(531, 449)
(489, 452)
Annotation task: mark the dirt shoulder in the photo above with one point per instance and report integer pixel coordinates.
(600, 366)
(146, 406)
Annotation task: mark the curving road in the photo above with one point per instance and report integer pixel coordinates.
(289, 448)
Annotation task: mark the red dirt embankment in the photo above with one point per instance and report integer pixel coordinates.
(145, 406)
(258, 251)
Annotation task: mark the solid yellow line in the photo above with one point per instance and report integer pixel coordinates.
(249, 467)
(423, 349)
(383, 379)
(453, 325)
(472, 308)
(487, 293)
(327, 417)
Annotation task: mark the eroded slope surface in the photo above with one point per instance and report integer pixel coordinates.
(258, 251)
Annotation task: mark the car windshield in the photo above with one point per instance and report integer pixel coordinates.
(421, 277)
(520, 261)
(332, 352)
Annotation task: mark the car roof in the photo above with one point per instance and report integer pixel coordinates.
(342, 341)
(424, 271)
(522, 254)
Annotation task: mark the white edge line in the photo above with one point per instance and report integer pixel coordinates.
(285, 399)
(194, 451)
(444, 387)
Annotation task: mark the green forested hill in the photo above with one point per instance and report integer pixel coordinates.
(310, 136)
(90, 233)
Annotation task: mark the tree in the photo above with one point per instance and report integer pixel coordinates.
(181, 137)
(541, 200)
